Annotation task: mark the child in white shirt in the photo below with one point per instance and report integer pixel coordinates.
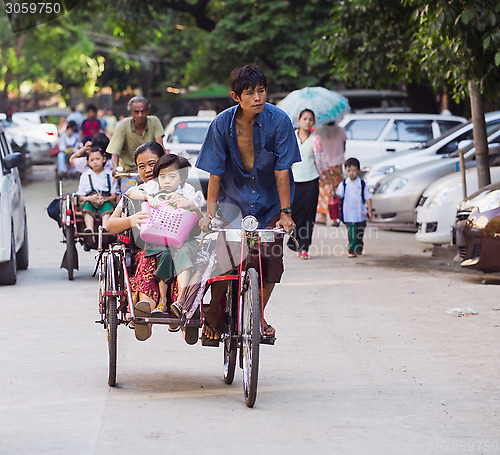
(356, 206)
(97, 190)
(169, 184)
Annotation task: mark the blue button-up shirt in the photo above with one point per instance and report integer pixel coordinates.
(275, 149)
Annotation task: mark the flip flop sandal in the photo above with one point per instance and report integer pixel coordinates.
(205, 341)
(268, 338)
(176, 309)
(142, 330)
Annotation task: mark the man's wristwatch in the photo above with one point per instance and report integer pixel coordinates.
(286, 210)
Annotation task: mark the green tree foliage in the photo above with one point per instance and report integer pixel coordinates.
(277, 35)
(54, 53)
(368, 43)
(201, 42)
(459, 42)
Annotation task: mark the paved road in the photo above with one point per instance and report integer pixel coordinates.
(367, 361)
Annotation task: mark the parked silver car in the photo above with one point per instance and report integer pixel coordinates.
(36, 138)
(13, 227)
(457, 137)
(396, 196)
(370, 136)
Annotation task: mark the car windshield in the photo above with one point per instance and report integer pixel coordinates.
(448, 133)
(493, 137)
(7, 124)
(189, 132)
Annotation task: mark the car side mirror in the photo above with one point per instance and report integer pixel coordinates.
(464, 143)
(13, 160)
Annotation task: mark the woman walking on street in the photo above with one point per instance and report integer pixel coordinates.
(307, 175)
(333, 138)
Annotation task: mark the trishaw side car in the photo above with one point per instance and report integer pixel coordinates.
(242, 306)
(73, 225)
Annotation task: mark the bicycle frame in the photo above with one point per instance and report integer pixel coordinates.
(250, 238)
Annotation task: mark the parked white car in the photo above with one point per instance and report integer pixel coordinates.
(37, 138)
(13, 227)
(396, 196)
(458, 137)
(184, 136)
(370, 136)
(437, 207)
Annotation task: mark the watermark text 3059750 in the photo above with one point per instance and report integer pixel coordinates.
(26, 14)
(33, 8)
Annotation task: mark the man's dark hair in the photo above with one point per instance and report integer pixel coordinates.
(352, 162)
(171, 159)
(247, 77)
(91, 107)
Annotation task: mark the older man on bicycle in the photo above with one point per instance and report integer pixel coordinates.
(249, 151)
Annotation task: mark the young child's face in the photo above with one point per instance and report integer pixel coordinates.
(96, 161)
(352, 172)
(169, 178)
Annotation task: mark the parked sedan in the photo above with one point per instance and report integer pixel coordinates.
(396, 196)
(376, 135)
(13, 226)
(477, 230)
(437, 208)
(38, 139)
(447, 144)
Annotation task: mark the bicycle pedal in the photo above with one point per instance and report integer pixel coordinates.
(267, 340)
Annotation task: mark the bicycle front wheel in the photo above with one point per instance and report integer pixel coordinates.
(250, 336)
(111, 320)
(231, 322)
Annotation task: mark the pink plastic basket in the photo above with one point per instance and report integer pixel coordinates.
(167, 225)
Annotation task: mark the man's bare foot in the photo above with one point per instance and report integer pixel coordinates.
(210, 328)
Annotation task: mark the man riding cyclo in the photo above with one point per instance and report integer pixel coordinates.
(133, 131)
(249, 151)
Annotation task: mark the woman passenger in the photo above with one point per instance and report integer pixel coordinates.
(145, 289)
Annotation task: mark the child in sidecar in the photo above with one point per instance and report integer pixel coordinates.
(97, 192)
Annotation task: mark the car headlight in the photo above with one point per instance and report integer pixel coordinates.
(489, 202)
(441, 196)
(483, 202)
(380, 171)
(392, 185)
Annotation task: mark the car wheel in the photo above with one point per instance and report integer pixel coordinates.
(8, 270)
(22, 255)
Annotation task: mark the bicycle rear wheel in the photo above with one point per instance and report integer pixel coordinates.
(231, 321)
(70, 250)
(250, 336)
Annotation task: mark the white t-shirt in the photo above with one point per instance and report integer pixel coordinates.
(187, 190)
(353, 209)
(99, 182)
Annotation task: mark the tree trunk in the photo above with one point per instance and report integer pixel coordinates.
(480, 139)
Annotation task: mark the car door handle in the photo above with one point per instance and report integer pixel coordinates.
(390, 150)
